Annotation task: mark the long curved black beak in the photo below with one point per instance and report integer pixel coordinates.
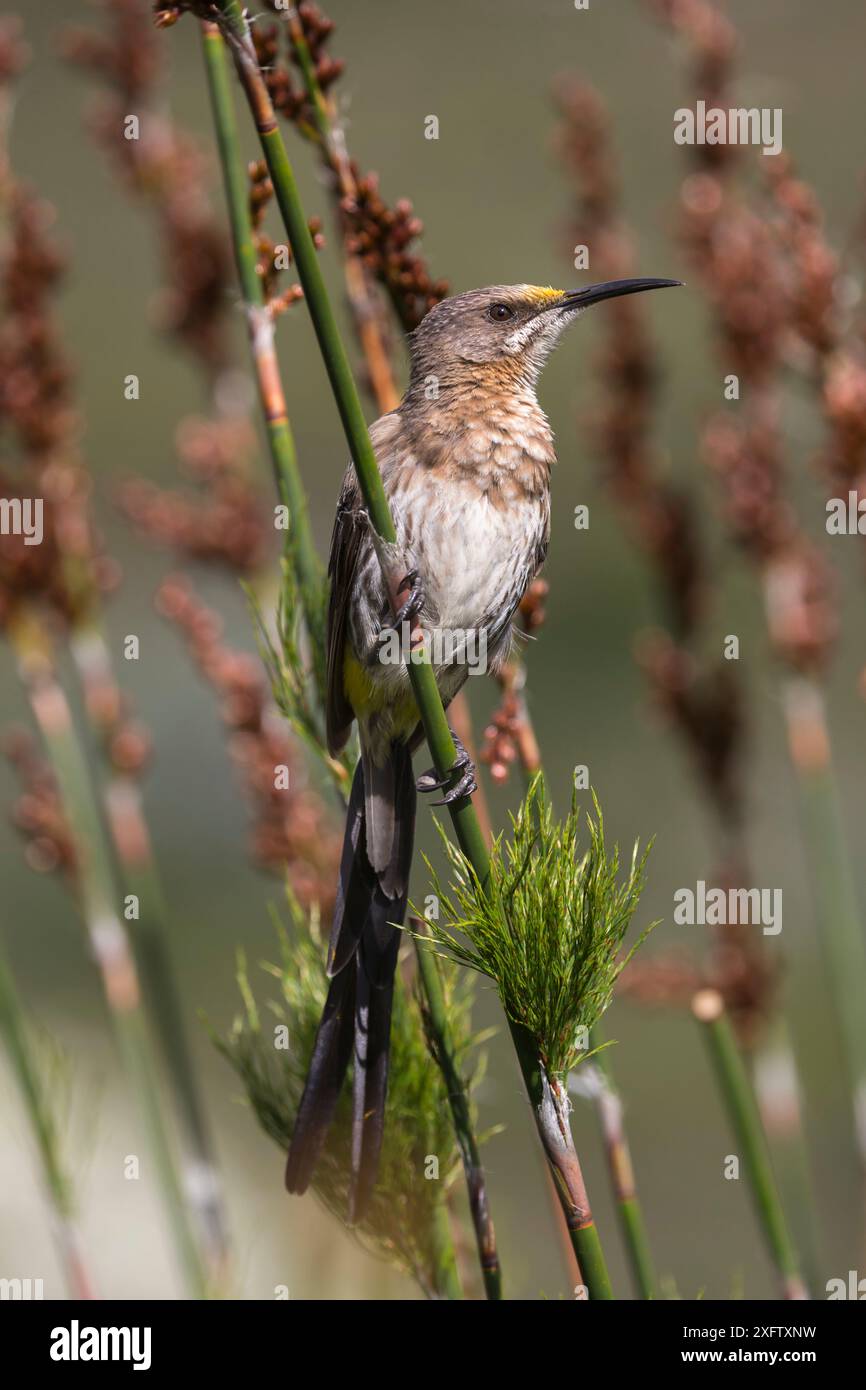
(611, 289)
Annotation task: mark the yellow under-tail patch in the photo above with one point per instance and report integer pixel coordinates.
(368, 697)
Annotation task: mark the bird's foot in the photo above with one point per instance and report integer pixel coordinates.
(413, 604)
(462, 767)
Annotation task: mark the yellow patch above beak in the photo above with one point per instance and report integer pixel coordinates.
(545, 294)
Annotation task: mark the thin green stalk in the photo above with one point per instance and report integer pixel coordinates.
(442, 1046)
(709, 1009)
(776, 1080)
(550, 1109)
(106, 930)
(610, 1112)
(840, 926)
(447, 1277)
(551, 1112)
(92, 659)
(37, 1102)
(203, 1187)
(281, 443)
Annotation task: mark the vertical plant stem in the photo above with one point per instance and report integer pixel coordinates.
(839, 922)
(260, 326)
(778, 1093)
(447, 1277)
(131, 837)
(109, 942)
(359, 286)
(25, 1065)
(550, 1109)
(442, 1046)
(610, 1113)
(709, 1009)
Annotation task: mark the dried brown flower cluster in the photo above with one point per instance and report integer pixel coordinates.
(510, 737)
(163, 166)
(765, 279)
(41, 427)
(735, 253)
(292, 829)
(13, 51)
(812, 266)
(827, 340)
(661, 515)
(706, 707)
(38, 813)
(223, 522)
(620, 421)
(380, 236)
(286, 89)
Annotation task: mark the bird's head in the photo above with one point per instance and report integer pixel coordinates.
(509, 329)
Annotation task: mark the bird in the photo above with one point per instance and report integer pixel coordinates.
(466, 463)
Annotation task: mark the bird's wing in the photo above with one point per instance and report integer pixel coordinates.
(349, 526)
(350, 542)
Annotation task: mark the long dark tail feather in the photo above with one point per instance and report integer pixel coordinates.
(370, 1085)
(362, 958)
(357, 882)
(328, 1066)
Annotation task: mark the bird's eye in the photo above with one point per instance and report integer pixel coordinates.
(499, 313)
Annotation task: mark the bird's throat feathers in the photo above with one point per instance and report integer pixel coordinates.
(484, 427)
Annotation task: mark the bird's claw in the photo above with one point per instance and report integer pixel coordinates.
(465, 785)
(413, 603)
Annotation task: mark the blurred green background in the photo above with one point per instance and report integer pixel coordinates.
(495, 208)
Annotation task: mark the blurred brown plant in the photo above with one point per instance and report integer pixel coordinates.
(161, 164)
(224, 522)
(293, 830)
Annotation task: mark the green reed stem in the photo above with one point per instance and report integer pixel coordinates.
(610, 1112)
(775, 1077)
(260, 323)
(35, 1096)
(442, 1047)
(551, 1113)
(447, 1275)
(130, 834)
(99, 897)
(708, 1008)
(840, 924)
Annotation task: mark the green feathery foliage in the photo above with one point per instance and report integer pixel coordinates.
(547, 927)
(403, 1224)
(41, 1071)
